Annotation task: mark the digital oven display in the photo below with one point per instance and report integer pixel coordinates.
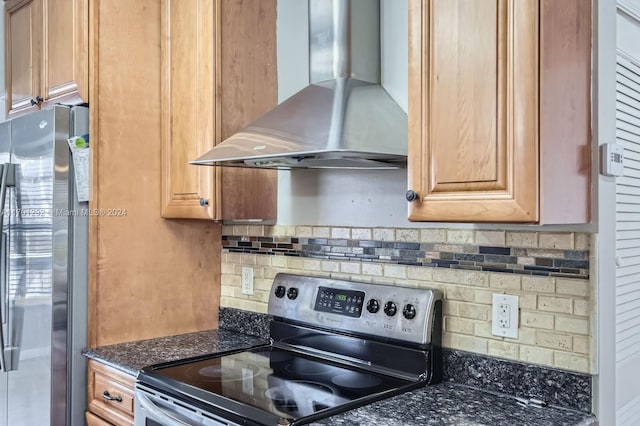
(343, 302)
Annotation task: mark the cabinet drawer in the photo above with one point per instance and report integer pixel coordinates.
(113, 393)
(110, 394)
(93, 420)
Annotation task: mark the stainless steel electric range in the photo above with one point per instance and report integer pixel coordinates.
(335, 345)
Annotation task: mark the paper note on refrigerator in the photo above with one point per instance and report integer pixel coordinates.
(80, 153)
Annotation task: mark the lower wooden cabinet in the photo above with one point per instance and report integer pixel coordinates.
(109, 396)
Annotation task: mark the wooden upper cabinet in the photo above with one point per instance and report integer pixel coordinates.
(218, 75)
(190, 107)
(65, 51)
(498, 129)
(23, 23)
(46, 53)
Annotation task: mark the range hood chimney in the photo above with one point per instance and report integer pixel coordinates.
(344, 118)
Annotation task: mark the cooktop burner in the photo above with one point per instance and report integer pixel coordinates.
(217, 373)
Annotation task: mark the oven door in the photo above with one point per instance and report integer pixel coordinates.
(153, 408)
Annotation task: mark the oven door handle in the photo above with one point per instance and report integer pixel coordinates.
(156, 413)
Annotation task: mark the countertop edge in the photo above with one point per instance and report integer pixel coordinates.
(131, 357)
(116, 366)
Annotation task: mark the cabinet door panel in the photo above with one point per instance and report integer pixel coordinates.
(473, 110)
(65, 51)
(468, 115)
(23, 21)
(189, 106)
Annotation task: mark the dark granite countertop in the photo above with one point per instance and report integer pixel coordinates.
(131, 357)
(445, 404)
(448, 404)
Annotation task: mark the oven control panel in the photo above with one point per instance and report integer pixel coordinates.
(338, 301)
(400, 313)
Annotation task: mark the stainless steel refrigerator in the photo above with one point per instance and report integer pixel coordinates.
(43, 271)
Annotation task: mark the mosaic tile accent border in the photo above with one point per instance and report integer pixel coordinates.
(512, 260)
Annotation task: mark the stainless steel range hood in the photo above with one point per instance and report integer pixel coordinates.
(344, 118)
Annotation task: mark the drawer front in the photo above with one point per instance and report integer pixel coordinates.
(113, 393)
(110, 394)
(93, 420)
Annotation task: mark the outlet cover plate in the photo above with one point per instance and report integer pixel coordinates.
(504, 321)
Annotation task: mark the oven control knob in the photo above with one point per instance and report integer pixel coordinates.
(292, 293)
(409, 311)
(390, 309)
(373, 306)
(280, 291)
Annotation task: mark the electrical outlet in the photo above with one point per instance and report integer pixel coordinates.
(505, 316)
(247, 280)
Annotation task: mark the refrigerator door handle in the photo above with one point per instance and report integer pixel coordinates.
(3, 263)
(4, 279)
(7, 173)
(3, 303)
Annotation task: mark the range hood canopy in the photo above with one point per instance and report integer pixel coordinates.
(344, 118)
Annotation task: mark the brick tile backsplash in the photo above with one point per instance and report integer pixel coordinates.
(548, 271)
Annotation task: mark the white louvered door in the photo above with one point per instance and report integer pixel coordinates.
(628, 243)
(628, 218)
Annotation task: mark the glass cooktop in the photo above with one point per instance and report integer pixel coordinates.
(283, 383)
